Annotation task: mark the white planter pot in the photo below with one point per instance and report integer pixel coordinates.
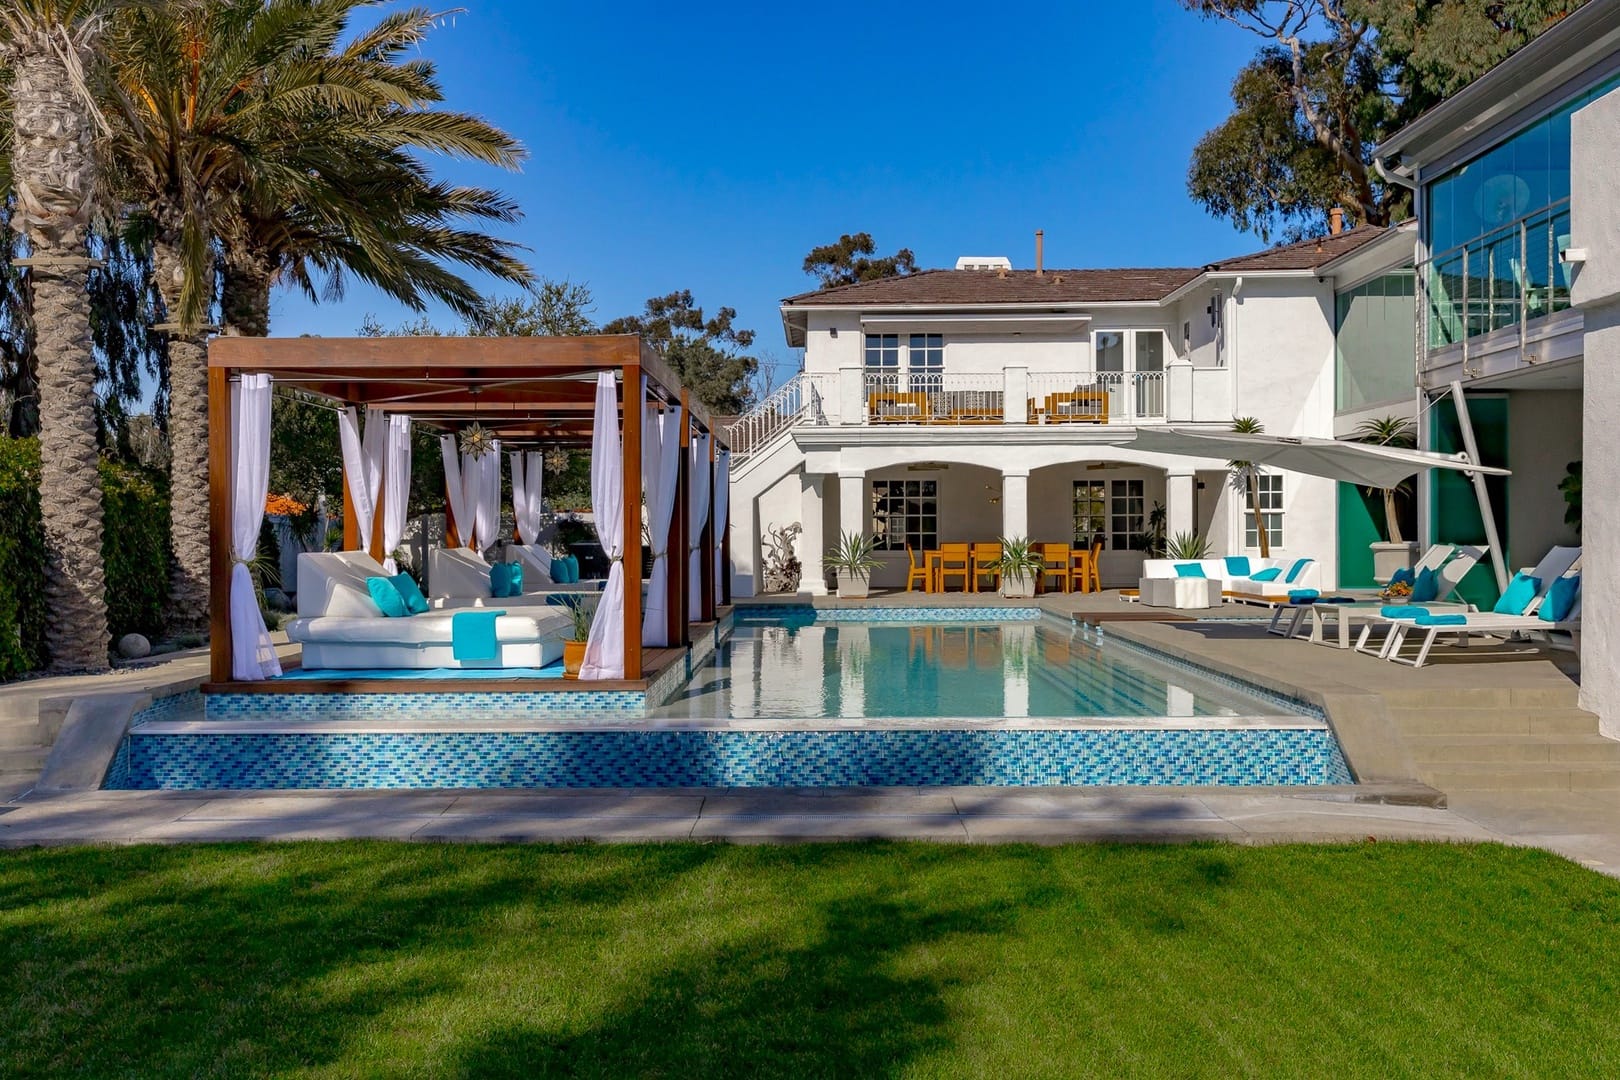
(851, 587)
(1388, 558)
(1017, 588)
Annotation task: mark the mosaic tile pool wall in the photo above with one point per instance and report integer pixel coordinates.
(586, 759)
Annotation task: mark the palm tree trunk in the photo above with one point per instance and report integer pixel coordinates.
(245, 301)
(1259, 522)
(53, 166)
(1392, 523)
(188, 451)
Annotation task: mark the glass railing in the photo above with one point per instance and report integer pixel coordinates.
(1499, 279)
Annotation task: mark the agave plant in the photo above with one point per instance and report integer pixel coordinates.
(855, 555)
(581, 613)
(1186, 547)
(1020, 558)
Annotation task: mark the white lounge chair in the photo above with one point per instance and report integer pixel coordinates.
(1433, 559)
(1445, 601)
(1559, 562)
(459, 577)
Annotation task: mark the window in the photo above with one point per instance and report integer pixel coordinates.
(1373, 341)
(883, 358)
(925, 357)
(1149, 350)
(905, 512)
(1130, 365)
(1090, 511)
(1269, 496)
(1127, 512)
(1111, 350)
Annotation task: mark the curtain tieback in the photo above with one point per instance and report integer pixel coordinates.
(660, 554)
(237, 561)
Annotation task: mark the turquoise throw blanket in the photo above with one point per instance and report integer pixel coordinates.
(472, 635)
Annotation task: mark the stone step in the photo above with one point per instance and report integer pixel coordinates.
(1563, 696)
(19, 733)
(1530, 721)
(23, 758)
(1480, 749)
(1524, 776)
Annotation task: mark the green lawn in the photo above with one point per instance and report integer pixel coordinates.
(838, 960)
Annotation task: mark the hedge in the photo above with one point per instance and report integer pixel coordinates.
(134, 547)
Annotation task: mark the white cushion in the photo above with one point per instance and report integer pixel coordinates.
(457, 572)
(1179, 592)
(536, 562)
(334, 583)
(431, 628)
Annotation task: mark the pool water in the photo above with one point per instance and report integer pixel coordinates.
(794, 668)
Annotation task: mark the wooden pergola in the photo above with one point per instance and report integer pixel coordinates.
(529, 392)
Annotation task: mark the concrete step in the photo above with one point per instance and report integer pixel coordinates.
(23, 758)
(1561, 696)
(1481, 749)
(1526, 721)
(19, 733)
(1523, 776)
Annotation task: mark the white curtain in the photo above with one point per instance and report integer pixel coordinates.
(486, 497)
(528, 474)
(660, 465)
(455, 487)
(699, 514)
(722, 512)
(363, 464)
(604, 652)
(397, 485)
(252, 655)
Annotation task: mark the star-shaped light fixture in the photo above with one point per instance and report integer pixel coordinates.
(476, 440)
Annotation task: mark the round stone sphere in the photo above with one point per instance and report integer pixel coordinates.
(134, 646)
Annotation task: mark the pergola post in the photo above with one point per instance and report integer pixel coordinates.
(374, 543)
(680, 569)
(219, 524)
(725, 564)
(706, 549)
(630, 446)
(351, 521)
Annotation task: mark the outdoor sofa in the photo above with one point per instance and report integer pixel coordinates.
(1276, 580)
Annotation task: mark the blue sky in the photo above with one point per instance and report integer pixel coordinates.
(683, 146)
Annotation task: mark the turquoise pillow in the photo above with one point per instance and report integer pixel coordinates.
(1237, 565)
(1442, 620)
(1519, 595)
(559, 569)
(1560, 599)
(505, 579)
(415, 602)
(1270, 573)
(1403, 576)
(514, 572)
(1297, 569)
(571, 565)
(1304, 594)
(1402, 611)
(1425, 587)
(1189, 569)
(387, 597)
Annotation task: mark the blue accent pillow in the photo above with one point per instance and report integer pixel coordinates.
(514, 575)
(415, 602)
(1270, 573)
(505, 579)
(387, 597)
(1237, 565)
(1442, 620)
(1426, 586)
(1519, 595)
(571, 562)
(1297, 569)
(1402, 611)
(1403, 576)
(1560, 599)
(1189, 569)
(1304, 595)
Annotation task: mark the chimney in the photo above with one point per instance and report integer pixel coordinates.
(1040, 244)
(1336, 220)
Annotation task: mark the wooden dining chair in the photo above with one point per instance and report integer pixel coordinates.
(987, 563)
(1057, 559)
(1096, 563)
(955, 560)
(916, 569)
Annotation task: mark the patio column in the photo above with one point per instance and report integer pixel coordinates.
(1014, 505)
(851, 504)
(851, 394)
(813, 538)
(1015, 395)
(1178, 498)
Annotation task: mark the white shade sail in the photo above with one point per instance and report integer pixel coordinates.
(701, 477)
(1354, 463)
(660, 464)
(252, 655)
(397, 488)
(604, 651)
(722, 510)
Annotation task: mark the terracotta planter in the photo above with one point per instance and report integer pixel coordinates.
(573, 658)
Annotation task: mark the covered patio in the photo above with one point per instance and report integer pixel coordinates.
(611, 394)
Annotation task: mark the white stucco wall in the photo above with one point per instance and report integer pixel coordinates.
(1595, 226)
(1544, 437)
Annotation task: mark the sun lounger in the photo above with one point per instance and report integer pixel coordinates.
(1449, 564)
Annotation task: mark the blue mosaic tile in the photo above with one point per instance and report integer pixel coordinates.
(804, 614)
(448, 705)
(1268, 756)
(187, 705)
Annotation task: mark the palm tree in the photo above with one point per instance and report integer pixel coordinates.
(48, 46)
(1246, 477)
(232, 110)
(1389, 431)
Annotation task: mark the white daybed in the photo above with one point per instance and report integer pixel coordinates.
(459, 577)
(1292, 575)
(341, 627)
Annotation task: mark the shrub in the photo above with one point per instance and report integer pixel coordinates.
(22, 560)
(135, 548)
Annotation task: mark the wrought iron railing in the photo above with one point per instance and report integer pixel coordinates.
(933, 397)
(1096, 397)
(802, 399)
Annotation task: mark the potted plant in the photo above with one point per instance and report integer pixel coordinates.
(1392, 553)
(581, 612)
(1021, 565)
(1186, 547)
(854, 559)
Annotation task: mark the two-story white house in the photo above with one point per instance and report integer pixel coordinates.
(987, 401)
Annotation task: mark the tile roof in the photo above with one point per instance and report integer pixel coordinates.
(1305, 254)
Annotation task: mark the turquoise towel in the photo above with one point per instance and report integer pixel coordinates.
(472, 635)
(1402, 611)
(1442, 620)
(1303, 596)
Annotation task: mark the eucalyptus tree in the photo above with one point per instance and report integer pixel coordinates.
(49, 50)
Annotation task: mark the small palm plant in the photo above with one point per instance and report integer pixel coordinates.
(854, 558)
(1394, 431)
(1186, 547)
(581, 613)
(1246, 478)
(1020, 565)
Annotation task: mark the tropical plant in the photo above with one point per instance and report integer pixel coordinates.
(1158, 520)
(1186, 547)
(855, 554)
(581, 613)
(1396, 431)
(1246, 478)
(1020, 558)
(1570, 485)
(52, 171)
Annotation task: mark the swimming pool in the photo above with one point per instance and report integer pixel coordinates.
(795, 698)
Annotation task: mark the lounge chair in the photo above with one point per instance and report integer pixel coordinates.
(1236, 573)
(1449, 564)
(1558, 563)
(459, 577)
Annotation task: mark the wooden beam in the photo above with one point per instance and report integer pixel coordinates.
(630, 446)
(219, 526)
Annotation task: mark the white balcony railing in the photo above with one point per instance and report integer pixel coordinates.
(934, 398)
(800, 400)
(1096, 397)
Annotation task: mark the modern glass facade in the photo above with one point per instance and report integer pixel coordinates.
(1373, 341)
(1495, 227)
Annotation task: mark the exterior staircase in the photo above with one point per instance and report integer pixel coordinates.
(1494, 741)
(762, 453)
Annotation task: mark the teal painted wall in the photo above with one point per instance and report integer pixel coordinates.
(1456, 515)
(1360, 525)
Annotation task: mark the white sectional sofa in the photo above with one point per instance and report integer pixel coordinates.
(341, 627)
(459, 577)
(1292, 574)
